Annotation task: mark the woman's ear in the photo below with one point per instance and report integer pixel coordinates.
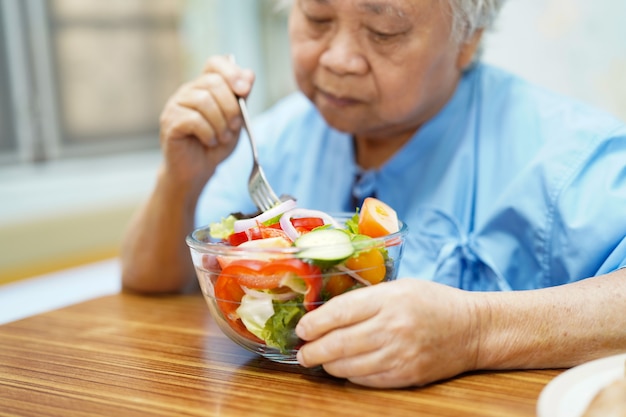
(468, 50)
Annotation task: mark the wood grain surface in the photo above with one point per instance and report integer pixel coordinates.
(127, 355)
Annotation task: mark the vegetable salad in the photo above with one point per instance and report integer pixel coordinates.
(263, 296)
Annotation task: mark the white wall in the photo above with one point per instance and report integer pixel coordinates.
(575, 47)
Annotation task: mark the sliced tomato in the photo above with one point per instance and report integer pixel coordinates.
(338, 284)
(306, 224)
(237, 238)
(273, 232)
(254, 233)
(377, 219)
(302, 225)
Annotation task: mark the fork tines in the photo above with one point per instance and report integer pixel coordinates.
(260, 191)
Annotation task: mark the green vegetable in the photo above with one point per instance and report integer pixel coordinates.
(254, 313)
(352, 224)
(272, 220)
(325, 245)
(223, 229)
(280, 329)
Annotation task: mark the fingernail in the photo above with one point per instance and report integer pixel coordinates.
(300, 332)
(235, 123)
(241, 86)
(227, 136)
(300, 358)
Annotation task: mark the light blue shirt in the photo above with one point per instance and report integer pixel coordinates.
(508, 187)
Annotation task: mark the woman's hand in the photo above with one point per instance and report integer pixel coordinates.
(201, 122)
(397, 334)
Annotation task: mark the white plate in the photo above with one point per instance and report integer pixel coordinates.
(569, 394)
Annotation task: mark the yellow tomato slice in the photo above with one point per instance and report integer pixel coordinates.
(376, 218)
(369, 265)
(338, 284)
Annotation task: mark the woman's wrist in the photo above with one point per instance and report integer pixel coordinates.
(182, 192)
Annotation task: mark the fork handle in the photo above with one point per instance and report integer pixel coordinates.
(244, 114)
(246, 125)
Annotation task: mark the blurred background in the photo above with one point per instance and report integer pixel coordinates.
(82, 83)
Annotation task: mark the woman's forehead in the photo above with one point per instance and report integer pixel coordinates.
(394, 8)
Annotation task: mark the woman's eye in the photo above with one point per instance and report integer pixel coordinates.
(382, 36)
(318, 21)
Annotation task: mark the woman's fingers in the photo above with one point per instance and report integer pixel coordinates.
(341, 311)
(239, 80)
(206, 106)
(215, 103)
(183, 122)
(406, 332)
(347, 342)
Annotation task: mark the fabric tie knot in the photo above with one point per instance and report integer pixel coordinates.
(459, 260)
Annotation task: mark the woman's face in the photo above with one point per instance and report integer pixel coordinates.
(375, 68)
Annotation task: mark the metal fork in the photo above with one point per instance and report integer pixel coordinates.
(260, 190)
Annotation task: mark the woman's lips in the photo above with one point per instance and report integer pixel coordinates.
(337, 101)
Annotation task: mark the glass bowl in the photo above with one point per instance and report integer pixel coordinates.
(257, 295)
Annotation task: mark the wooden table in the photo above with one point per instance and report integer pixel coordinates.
(127, 355)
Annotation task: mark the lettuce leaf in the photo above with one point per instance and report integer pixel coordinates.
(254, 313)
(352, 224)
(280, 329)
(223, 229)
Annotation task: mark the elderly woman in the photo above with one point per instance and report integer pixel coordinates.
(515, 197)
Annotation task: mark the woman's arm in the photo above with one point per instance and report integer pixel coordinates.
(200, 125)
(554, 327)
(155, 257)
(413, 332)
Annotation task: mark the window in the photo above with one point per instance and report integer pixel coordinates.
(7, 138)
(85, 77)
(82, 84)
(115, 64)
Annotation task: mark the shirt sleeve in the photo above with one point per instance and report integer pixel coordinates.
(589, 233)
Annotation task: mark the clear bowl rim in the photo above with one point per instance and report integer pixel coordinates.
(221, 248)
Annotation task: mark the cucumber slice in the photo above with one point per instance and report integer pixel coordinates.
(326, 245)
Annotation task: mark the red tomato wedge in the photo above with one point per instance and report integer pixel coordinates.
(237, 238)
(377, 219)
(302, 225)
(255, 233)
(306, 224)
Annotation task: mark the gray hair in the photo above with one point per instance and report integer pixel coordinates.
(468, 16)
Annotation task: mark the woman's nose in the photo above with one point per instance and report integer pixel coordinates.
(343, 55)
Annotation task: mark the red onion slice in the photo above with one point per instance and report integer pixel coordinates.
(292, 233)
(245, 224)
